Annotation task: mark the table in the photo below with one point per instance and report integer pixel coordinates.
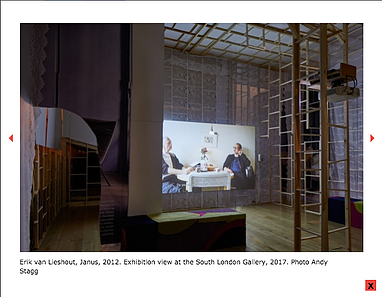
(209, 179)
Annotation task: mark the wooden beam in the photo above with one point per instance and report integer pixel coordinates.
(336, 33)
(273, 29)
(310, 33)
(310, 25)
(220, 38)
(275, 43)
(324, 137)
(297, 131)
(204, 37)
(295, 33)
(244, 44)
(347, 149)
(192, 39)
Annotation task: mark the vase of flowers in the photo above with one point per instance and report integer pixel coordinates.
(203, 160)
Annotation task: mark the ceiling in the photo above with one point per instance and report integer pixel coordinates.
(256, 44)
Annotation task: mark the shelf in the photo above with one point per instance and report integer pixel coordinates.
(47, 191)
(84, 172)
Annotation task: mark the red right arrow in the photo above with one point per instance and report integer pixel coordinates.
(371, 138)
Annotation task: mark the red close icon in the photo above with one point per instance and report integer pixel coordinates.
(11, 137)
(370, 285)
(371, 138)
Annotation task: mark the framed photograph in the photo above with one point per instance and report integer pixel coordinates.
(209, 140)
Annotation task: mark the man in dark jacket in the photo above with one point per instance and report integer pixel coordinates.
(236, 163)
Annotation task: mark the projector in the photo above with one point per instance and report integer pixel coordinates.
(342, 93)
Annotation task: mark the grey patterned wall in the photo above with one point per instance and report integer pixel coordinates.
(196, 88)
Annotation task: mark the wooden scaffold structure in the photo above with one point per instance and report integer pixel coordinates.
(303, 72)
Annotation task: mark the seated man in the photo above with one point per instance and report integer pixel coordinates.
(171, 167)
(236, 163)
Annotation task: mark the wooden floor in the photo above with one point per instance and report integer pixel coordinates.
(269, 228)
(76, 229)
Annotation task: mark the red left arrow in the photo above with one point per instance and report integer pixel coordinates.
(11, 137)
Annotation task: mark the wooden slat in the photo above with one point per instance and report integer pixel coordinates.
(324, 137)
(297, 131)
(44, 193)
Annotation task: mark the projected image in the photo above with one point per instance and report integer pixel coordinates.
(217, 160)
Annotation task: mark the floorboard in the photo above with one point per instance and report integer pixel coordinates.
(269, 228)
(75, 229)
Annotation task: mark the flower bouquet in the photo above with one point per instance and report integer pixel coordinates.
(203, 159)
(203, 151)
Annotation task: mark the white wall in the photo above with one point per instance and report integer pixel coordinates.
(187, 141)
(74, 127)
(145, 192)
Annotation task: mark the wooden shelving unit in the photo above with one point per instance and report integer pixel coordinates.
(66, 172)
(47, 191)
(83, 173)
